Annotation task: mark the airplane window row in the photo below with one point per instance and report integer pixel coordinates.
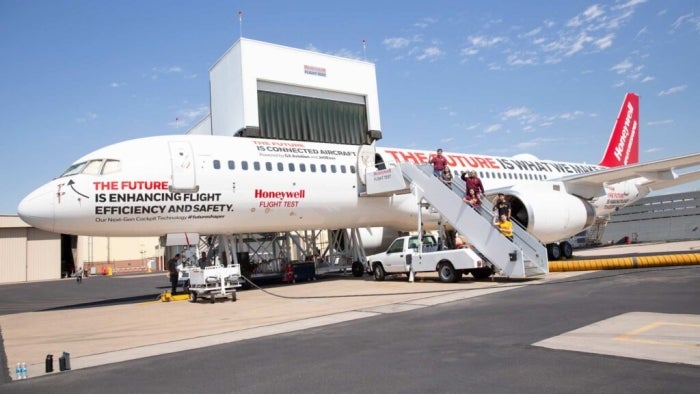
(291, 167)
(509, 175)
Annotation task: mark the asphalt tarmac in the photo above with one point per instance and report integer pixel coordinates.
(633, 330)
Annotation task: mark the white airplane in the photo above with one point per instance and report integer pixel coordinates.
(227, 185)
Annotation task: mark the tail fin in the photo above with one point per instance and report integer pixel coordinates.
(623, 147)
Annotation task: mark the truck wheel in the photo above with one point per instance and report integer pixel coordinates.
(482, 273)
(212, 297)
(447, 273)
(233, 296)
(357, 269)
(379, 273)
(193, 296)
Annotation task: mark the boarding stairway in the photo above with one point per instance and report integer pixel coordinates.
(523, 257)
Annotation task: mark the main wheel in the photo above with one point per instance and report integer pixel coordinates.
(553, 252)
(212, 298)
(566, 249)
(233, 296)
(357, 269)
(447, 273)
(193, 296)
(378, 271)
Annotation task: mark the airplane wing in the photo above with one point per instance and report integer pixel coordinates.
(656, 175)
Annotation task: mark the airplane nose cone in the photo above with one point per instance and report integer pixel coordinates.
(37, 209)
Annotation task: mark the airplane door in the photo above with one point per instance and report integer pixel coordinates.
(365, 161)
(182, 162)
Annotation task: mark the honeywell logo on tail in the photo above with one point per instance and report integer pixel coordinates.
(623, 146)
(626, 132)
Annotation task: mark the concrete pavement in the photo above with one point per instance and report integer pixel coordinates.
(107, 334)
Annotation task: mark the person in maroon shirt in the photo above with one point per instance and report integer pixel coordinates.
(473, 182)
(439, 162)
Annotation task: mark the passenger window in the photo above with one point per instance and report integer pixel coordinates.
(256, 165)
(244, 165)
(231, 165)
(312, 167)
(280, 167)
(323, 168)
(302, 167)
(343, 169)
(333, 170)
(291, 167)
(111, 166)
(217, 164)
(352, 169)
(268, 166)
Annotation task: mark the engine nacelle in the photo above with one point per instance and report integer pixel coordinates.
(548, 211)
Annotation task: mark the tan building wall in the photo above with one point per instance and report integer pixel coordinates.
(27, 254)
(122, 254)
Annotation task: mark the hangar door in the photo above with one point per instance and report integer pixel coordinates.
(302, 114)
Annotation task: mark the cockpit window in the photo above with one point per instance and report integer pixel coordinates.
(111, 166)
(74, 169)
(93, 167)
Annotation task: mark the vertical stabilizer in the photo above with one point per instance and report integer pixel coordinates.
(623, 147)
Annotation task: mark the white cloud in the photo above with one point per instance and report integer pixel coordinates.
(483, 42)
(659, 122)
(578, 44)
(690, 19)
(514, 113)
(571, 115)
(430, 53)
(605, 42)
(116, 84)
(521, 59)
(187, 116)
(591, 13)
(622, 67)
(425, 22)
(535, 142)
(90, 116)
(492, 128)
(647, 79)
(396, 42)
(673, 90)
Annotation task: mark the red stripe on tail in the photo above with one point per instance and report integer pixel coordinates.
(623, 147)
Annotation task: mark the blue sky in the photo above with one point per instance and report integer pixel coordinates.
(496, 77)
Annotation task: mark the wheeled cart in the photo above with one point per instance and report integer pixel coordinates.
(213, 282)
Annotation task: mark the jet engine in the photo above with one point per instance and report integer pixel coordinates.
(548, 212)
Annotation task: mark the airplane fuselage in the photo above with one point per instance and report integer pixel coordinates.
(224, 185)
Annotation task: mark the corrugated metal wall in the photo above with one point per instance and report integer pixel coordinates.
(28, 254)
(43, 255)
(13, 255)
(672, 217)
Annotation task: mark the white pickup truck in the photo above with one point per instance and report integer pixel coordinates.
(402, 256)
